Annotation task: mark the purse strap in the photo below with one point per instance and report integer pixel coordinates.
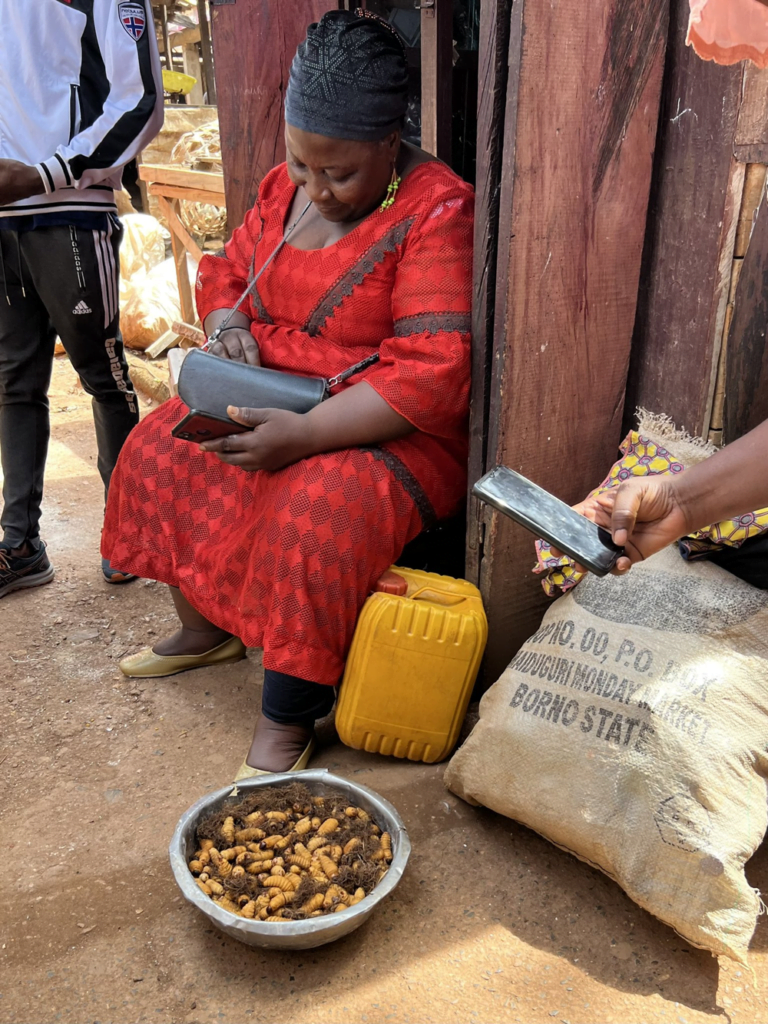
(220, 328)
(357, 368)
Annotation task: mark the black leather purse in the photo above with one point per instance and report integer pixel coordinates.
(209, 383)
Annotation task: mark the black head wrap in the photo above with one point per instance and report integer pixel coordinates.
(349, 79)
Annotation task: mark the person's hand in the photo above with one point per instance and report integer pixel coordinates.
(237, 344)
(278, 438)
(646, 516)
(643, 515)
(18, 181)
(598, 508)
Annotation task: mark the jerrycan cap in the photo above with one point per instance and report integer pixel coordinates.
(391, 583)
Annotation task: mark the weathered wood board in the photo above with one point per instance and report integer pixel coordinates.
(750, 144)
(436, 74)
(492, 86)
(692, 215)
(172, 174)
(582, 108)
(746, 375)
(254, 42)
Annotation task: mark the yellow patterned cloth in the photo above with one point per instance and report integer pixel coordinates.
(642, 457)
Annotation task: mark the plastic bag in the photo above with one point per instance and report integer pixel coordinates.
(727, 31)
(149, 303)
(143, 245)
(123, 202)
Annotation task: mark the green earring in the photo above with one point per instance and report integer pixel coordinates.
(392, 188)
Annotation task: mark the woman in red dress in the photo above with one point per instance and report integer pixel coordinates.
(275, 537)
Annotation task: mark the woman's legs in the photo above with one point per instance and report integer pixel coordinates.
(196, 636)
(289, 709)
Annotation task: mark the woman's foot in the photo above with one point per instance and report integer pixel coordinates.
(190, 641)
(276, 747)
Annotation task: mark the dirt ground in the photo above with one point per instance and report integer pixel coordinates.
(490, 923)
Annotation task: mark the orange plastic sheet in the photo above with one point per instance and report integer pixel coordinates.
(727, 31)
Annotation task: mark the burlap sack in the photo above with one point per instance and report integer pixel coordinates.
(632, 730)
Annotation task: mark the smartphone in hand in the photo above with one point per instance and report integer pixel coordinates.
(202, 426)
(548, 517)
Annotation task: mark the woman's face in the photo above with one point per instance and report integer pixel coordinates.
(345, 180)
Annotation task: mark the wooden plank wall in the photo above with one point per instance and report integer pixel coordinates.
(746, 375)
(741, 399)
(254, 42)
(692, 216)
(754, 186)
(492, 88)
(436, 75)
(582, 108)
(750, 144)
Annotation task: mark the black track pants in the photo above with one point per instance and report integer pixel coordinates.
(57, 280)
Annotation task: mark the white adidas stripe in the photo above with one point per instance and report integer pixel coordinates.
(102, 277)
(111, 268)
(105, 258)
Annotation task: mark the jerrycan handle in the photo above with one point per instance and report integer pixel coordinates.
(438, 596)
(395, 584)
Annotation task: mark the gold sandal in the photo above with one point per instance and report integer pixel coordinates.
(148, 665)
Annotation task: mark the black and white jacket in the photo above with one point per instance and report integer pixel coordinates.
(81, 94)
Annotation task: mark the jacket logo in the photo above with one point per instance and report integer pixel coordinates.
(133, 18)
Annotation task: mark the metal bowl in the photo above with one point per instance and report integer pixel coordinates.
(294, 934)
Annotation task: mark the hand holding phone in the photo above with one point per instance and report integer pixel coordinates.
(198, 427)
(548, 517)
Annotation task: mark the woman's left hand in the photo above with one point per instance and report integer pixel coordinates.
(277, 438)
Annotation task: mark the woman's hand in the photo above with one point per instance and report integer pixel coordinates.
(355, 418)
(238, 344)
(277, 439)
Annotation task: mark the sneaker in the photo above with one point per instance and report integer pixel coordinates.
(115, 575)
(20, 573)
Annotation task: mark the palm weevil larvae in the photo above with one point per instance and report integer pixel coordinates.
(281, 854)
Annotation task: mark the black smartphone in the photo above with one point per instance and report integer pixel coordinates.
(202, 426)
(548, 517)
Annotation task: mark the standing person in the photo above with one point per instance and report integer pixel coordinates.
(80, 95)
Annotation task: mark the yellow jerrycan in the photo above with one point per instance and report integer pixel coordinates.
(412, 665)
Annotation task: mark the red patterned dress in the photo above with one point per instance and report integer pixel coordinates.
(286, 559)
